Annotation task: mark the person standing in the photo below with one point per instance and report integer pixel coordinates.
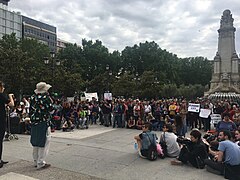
(41, 105)
(4, 100)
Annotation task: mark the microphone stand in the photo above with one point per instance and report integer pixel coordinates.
(9, 136)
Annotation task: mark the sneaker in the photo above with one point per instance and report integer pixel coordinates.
(4, 162)
(140, 154)
(35, 163)
(176, 162)
(44, 167)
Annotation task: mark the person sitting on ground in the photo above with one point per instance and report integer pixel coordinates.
(83, 119)
(193, 151)
(153, 121)
(27, 122)
(227, 158)
(226, 124)
(168, 120)
(67, 126)
(170, 139)
(139, 123)
(145, 139)
(131, 123)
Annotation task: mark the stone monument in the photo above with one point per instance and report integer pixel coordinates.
(225, 78)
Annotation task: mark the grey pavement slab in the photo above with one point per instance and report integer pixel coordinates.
(16, 176)
(104, 153)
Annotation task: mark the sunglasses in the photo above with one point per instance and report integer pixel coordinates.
(143, 126)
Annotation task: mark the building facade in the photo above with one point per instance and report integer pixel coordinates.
(10, 22)
(40, 31)
(61, 44)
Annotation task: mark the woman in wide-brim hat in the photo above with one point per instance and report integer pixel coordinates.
(40, 108)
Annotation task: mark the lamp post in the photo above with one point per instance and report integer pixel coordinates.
(53, 62)
(109, 75)
(137, 81)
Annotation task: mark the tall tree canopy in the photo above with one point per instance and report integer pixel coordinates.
(144, 70)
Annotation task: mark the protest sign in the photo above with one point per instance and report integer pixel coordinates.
(193, 107)
(204, 113)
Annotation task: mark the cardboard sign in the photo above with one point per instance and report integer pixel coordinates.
(107, 96)
(89, 96)
(204, 113)
(193, 107)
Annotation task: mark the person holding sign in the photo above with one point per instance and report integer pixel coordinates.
(205, 116)
(193, 114)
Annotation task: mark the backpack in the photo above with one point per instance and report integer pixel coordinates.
(163, 146)
(152, 153)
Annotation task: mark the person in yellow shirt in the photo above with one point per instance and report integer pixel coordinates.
(172, 110)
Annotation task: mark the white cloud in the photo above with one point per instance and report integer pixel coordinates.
(183, 27)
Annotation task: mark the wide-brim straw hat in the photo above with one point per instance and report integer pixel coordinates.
(42, 87)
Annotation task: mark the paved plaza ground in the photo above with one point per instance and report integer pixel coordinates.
(96, 153)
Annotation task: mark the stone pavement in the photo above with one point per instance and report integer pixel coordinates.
(96, 153)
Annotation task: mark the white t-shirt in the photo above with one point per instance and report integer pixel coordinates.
(147, 108)
(173, 148)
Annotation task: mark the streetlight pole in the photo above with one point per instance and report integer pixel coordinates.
(109, 74)
(53, 64)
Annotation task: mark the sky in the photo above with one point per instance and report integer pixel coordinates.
(187, 28)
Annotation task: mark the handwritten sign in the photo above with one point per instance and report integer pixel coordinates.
(204, 113)
(194, 107)
(107, 96)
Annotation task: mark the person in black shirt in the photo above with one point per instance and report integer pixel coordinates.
(193, 151)
(4, 100)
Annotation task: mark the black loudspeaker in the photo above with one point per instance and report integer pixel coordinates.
(14, 125)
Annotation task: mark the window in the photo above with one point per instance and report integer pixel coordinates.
(8, 31)
(4, 22)
(8, 23)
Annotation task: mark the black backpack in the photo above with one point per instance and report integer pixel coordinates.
(163, 144)
(152, 151)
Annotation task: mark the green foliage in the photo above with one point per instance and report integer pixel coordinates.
(144, 70)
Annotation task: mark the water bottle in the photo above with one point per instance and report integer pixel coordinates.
(135, 146)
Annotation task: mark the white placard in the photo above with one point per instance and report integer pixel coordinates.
(107, 96)
(70, 99)
(89, 96)
(204, 113)
(193, 107)
(83, 98)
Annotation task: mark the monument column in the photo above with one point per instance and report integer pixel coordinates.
(226, 78)
(226, 41)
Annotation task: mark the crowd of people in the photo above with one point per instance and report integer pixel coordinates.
(217, 149)
(170, 116)
(131, 113)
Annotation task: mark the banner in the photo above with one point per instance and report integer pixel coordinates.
(193, 107)
(89, 96)
(204, 113)
(107, 96)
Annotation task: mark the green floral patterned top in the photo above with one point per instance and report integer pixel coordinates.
(40, 108)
